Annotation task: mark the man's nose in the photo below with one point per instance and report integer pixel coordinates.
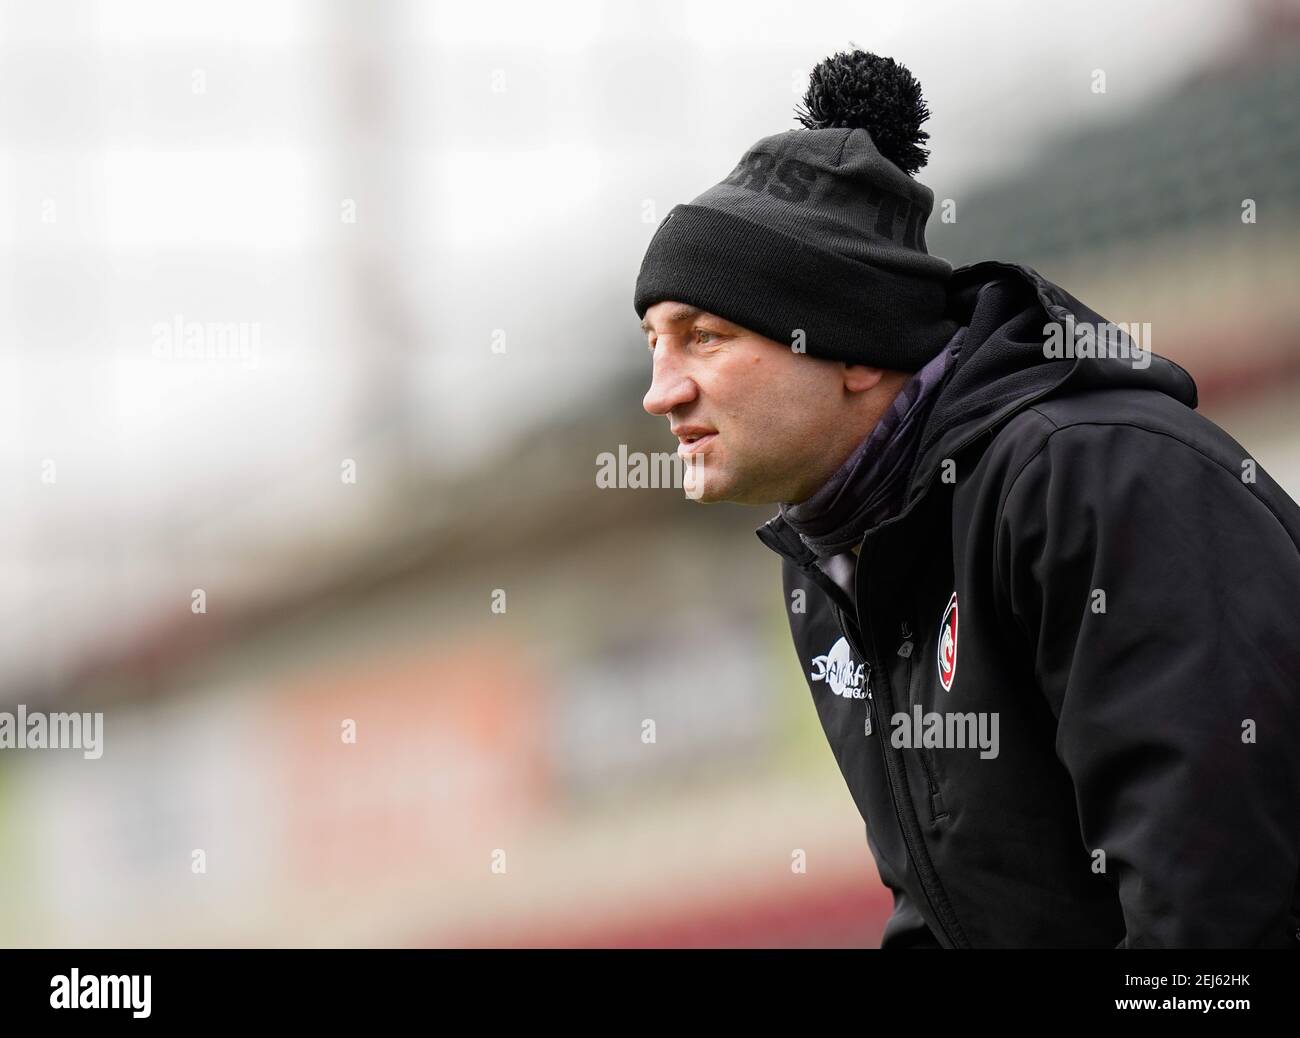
(670, 385)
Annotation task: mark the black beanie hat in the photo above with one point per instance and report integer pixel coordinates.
(819, 230)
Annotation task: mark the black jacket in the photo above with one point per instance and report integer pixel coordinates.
(1117, 582)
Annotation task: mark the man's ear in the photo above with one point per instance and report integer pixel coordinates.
(858, 378)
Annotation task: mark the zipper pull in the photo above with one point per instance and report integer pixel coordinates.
(870, 700)
(905, 650)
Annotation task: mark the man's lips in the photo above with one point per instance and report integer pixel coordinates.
(690, 446)
(690, 432)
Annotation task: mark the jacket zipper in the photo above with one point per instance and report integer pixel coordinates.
(936, 801)
(847, 630)
(936, 897)
(910, 824)
(870, 719)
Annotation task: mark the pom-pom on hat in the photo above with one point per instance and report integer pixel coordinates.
(817, 237)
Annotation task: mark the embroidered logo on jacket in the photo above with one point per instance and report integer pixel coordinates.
(948, 644)
(837, 670)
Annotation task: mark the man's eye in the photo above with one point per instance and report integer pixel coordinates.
(704, 331)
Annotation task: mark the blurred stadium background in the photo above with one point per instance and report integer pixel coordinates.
(384, 196)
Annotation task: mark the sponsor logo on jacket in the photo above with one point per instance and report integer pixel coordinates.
(948, 644)
(837, 669)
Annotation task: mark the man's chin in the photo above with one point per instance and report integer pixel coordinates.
(714, 488)
(705, 487)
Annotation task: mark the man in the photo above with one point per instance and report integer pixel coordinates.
(1046, 610)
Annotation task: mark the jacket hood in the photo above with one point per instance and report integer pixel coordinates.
(1003, 367)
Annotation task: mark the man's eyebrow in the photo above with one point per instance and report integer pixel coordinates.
(678, 313)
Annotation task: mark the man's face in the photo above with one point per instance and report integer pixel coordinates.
(773, 424)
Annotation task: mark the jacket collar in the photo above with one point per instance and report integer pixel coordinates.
(781, 537)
